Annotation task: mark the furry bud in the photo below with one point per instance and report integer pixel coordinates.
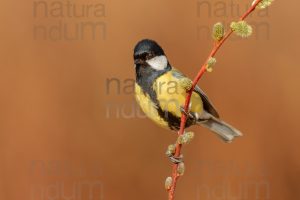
(186, 83)
(171, 150)
(168, 183)
(241, 28)
(185, 138)
(263, 4)
(210, 63)
(180, 169)
(218, 31)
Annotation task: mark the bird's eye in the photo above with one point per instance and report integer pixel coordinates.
(149, 56)
(144, 56)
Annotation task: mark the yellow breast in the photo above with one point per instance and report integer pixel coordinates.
(171, 95)
(148, 107)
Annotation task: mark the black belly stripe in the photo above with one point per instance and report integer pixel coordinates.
(173, 120)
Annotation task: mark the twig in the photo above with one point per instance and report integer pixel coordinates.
(202, 70)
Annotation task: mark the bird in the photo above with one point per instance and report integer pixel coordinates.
(160, 91)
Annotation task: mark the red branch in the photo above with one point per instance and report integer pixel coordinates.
(202, 70)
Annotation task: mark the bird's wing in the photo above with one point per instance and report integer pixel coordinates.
(208, 106)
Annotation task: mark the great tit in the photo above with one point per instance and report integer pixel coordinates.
(160, 90)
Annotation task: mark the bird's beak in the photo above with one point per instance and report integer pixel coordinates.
(138, 61)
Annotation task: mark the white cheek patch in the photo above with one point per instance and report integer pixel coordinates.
(158, 62)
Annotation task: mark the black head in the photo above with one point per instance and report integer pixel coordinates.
(147, 48)
(150, 63)
(148, 53)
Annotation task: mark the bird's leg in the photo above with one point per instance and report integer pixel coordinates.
(188, 114)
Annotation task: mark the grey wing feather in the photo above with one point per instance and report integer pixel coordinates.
(221, 128)
(208, 106)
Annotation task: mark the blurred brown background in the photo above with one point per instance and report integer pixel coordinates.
(65, 133)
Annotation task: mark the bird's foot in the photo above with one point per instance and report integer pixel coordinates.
(188, 114)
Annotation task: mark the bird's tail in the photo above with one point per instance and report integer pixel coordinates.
(225, 131)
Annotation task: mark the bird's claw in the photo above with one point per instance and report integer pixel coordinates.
(185, 113)
(188, 114)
